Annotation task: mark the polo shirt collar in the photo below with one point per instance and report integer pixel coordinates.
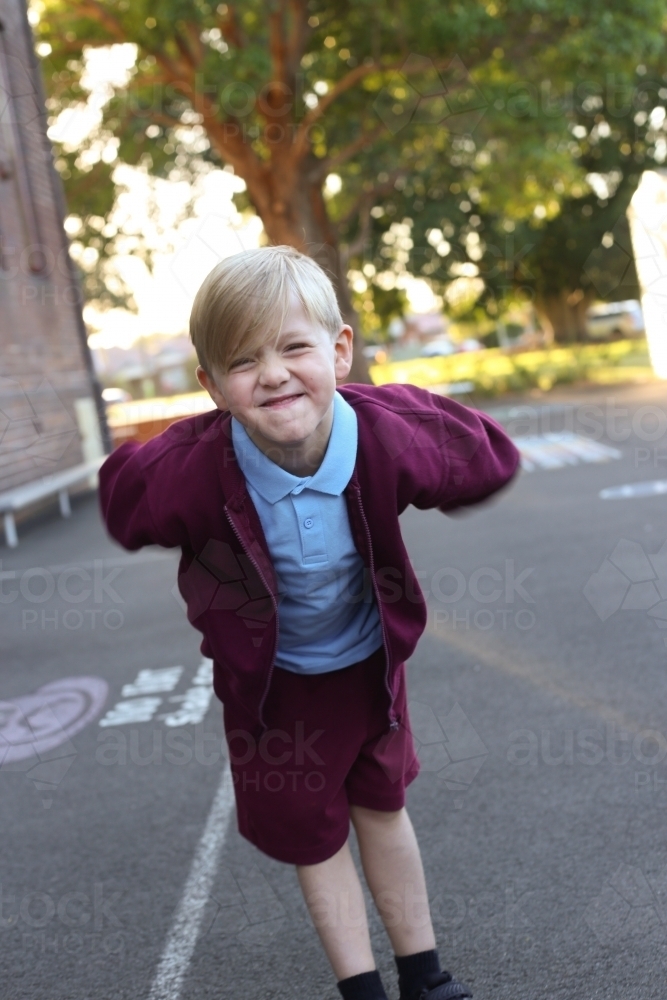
(333, 475)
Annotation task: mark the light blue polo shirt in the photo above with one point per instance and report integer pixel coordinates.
(328, 618)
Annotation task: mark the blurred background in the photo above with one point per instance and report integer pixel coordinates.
(465, 178)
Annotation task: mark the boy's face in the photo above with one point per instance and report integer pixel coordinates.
(282, 392)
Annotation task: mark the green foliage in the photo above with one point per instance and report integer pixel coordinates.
(453, 117)
(559, 225)
(376, 308)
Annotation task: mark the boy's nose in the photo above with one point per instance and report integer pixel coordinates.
(273, 372)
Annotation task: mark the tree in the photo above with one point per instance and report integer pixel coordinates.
(556, 233)
(290, 92)
(584, 251)
(564, 258)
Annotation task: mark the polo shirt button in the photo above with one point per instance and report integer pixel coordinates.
(308, 523)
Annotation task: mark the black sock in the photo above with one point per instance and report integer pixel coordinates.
(365, 986)
(413, 971)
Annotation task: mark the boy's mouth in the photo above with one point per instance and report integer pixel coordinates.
(278, 401)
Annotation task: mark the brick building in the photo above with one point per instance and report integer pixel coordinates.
(51, 415)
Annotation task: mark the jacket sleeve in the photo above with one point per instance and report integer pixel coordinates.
(124, 499)
(456, 456)
(481, 458)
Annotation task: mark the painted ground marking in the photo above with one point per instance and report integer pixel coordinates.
(143, 697)
(633, 490)
(184, 931)
(557, 450)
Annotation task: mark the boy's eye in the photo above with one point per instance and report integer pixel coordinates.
(239, 362)
(298, 346)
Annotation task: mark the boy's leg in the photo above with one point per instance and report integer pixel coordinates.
(394, 872)
(395, 875)
(335, 900)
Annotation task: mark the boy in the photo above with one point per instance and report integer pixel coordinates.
(285, 503)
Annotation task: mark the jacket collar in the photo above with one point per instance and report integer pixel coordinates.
(231, 477)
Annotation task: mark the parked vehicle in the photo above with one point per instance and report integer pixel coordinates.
(115, 395)
(472, 344)
(442, 347)
(615, 320)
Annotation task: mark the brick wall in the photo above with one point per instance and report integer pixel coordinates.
(44, 362)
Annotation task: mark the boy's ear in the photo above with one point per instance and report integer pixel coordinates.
(207, 382)
(343, 348)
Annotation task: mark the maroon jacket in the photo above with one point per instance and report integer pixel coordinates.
(185, 488)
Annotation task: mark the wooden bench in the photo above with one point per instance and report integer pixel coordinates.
(58, 484)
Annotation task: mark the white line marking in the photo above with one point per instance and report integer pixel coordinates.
(650, 489)
(195, 701)
(193, 707)
(124, 713)
(554, 451)
(182, 938)
(153, 681)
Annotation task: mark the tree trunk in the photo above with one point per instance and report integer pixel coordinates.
(290, 203)
(564, 314)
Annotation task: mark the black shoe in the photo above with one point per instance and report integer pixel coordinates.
(443, 986)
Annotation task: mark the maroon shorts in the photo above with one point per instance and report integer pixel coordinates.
(328, 745)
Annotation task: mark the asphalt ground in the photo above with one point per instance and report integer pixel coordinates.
(537, 698)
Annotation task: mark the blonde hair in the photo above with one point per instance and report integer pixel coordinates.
(242, 303)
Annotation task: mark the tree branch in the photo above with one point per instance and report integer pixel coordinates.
(368, 196)
(226, 137)
(344, 84)
(197, 47)
(348, 250)
(190, 45)
(98, 13)
(276, 100)
(161, 118)
(347, 152)
(184, 49)
(277, 45)
(230, 30)
(299, 32)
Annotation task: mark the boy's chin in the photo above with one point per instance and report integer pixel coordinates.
(284, 428)
(286, 440)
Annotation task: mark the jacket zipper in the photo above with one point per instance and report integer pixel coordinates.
(275, 610)
(393, 722)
